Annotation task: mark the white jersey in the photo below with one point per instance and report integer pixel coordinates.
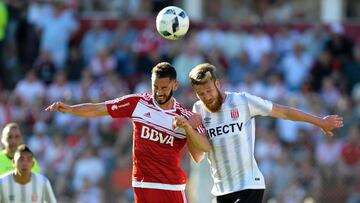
(38, 190)
(231, 132)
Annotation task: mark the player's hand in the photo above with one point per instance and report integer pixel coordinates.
(331, 122)
(180, 122)
(59, 106)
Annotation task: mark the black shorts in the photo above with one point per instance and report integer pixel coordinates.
(243, 196)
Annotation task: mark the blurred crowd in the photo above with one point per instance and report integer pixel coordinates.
(89, 160)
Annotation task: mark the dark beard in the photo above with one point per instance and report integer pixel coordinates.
(218, 103)
(166, 99)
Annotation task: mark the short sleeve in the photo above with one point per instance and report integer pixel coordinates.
(49, 196)
(122, 107)
(258, 106)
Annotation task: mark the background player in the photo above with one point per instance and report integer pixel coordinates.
(157, 140)
(22, 185)
(229, 120)
(11, 138)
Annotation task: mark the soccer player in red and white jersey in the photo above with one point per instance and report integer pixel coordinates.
(162, 126)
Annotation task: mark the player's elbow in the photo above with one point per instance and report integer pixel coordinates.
(199, 157)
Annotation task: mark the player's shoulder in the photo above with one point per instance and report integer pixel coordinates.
(133, 97)
(144, 96)
(241, 94)
(40, 177)
(6, 175)
(183, 110)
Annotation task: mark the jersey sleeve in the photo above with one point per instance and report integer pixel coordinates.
(258, 106)
(198, 125)
(122, 107)
(49, 196)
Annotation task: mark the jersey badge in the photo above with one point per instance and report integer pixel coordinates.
(234, 113)
(34, 197)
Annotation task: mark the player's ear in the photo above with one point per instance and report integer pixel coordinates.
(176, 85)
(218, 84)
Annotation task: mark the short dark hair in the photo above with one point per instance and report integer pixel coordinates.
(23, 148)
(164, 70)
(202, 73)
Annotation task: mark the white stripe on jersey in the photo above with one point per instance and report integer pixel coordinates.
(38, 190)
(161, 186)
(178, 135)
(155, 117)
(231, 132)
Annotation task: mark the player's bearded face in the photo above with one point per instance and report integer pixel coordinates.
(162, 99)
(162, 89)
(210, 95)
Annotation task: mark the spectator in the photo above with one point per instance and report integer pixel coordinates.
(30, 90)
(351, 71)
(88, 168)
(296, 67)
(339, 45)
(258, 44)
(60, 21)
(103, 63)
(327, 153)
(96, 39)
(40, 142)
(45, 67)
(59, 89)
(350, 156)
(321, 68)
(74, 65)
(188, 58)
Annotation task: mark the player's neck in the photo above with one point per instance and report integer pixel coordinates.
(9, 153)
(22, 178)
(168, 105)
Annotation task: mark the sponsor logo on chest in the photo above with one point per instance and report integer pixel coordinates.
(156, 136)
(226, 129)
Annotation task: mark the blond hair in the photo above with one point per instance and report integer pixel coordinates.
(202, 73)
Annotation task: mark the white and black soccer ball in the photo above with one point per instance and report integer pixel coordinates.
(172, 22)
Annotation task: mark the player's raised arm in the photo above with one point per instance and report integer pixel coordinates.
(197, 141)
(327, 123)
(84, 110)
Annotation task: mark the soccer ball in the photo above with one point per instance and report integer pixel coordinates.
(172, 22)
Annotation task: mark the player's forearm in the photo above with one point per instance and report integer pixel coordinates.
(196, 154)
(293, 114)
(88, 110)
(197, 140)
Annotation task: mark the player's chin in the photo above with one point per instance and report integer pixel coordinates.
(25, 170)
(161, 101)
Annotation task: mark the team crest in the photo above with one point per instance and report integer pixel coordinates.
(34, 197)
(234, 113)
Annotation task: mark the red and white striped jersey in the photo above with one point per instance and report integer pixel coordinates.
(156, 144)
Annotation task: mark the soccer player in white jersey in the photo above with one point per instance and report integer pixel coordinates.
(22, 185)
(161, 128)
(229, 121)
